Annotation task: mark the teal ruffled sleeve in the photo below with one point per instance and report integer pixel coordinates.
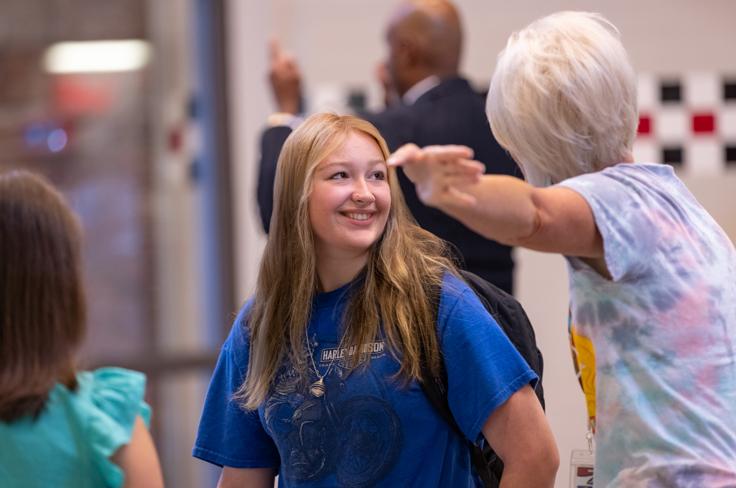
(114, 399)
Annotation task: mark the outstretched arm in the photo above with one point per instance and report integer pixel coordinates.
(502, 208)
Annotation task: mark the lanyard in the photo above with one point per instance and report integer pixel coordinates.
(583, 359)
(582, 462)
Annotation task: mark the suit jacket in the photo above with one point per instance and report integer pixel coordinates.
(450, 113)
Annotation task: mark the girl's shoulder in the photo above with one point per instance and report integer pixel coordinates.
(457, 295)
(110, 399)
(454, 288)
(624, 178)
(107, 402)
(78, 430)
(238, 338)
(112, 390)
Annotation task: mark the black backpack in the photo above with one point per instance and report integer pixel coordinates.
(513, 320)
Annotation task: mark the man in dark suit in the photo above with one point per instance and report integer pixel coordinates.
(436, 106)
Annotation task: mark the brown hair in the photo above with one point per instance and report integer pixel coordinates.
(404, 268)
(42, 305)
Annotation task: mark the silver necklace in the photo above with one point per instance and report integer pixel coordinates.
(318, 389)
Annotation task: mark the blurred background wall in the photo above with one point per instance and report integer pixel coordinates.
(159, 159)
(124, 130)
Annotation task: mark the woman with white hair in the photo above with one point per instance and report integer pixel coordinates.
(652, 276)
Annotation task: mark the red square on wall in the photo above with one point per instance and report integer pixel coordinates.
(704, 123)
(645, 125)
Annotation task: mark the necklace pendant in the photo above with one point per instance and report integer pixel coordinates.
(317, 389)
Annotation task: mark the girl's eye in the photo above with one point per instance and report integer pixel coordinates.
(339, 175)
(378, 175)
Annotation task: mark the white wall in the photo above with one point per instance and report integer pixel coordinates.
(175, 208)
(339, 42)
(248, 27)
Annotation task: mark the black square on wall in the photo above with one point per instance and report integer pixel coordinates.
(670, 91)
(729, 89)
(672, 155)
(357, 100)
(731, 154)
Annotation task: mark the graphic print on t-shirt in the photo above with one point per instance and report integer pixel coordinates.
(347, 434)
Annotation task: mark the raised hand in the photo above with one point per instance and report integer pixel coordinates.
(285, 79)
(440, 173)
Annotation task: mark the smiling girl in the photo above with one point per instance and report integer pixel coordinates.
(319, 379)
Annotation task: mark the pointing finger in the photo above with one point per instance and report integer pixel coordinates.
(450, 151)
(274, 49)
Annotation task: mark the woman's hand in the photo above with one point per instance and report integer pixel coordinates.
(503, 208)
(440, 173)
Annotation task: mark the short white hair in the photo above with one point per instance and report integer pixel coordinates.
(562, 100)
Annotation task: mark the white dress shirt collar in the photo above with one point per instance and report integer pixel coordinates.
(419, 89)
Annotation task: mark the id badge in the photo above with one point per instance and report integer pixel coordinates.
(582, 462)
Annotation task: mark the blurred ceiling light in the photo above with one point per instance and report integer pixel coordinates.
(96, 56)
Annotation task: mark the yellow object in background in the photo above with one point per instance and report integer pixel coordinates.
(583, 358)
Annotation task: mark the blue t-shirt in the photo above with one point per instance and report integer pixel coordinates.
(367, 429)
(663, 331)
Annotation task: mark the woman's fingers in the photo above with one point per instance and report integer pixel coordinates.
(452, 159)
(439, 172)
(411, 153)
(467, 167)
(406, 154)
(422, 164)
(449, 152)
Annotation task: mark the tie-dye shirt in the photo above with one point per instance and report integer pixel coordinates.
(664, 332)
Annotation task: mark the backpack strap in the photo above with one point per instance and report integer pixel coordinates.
(435, 388)
(436, 391)
(511, 317)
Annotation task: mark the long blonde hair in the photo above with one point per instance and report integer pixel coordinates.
(404, 269)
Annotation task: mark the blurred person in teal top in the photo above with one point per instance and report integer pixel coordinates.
(58, 426)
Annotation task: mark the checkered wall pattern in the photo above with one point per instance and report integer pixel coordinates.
(688, 122)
